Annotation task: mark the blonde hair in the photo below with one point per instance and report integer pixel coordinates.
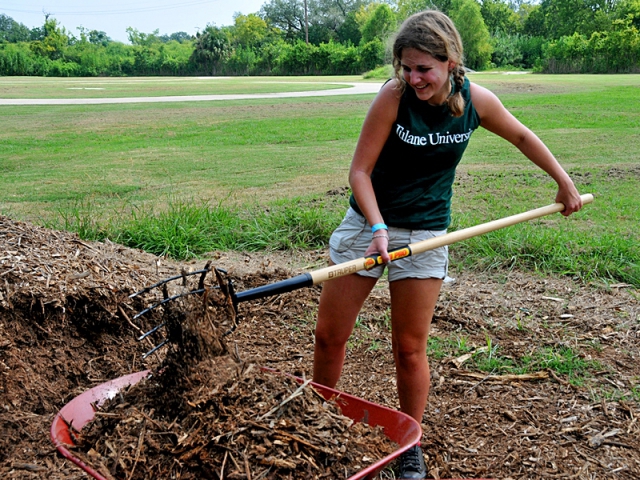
(434, 33)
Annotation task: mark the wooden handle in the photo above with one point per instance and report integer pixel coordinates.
(367, 263)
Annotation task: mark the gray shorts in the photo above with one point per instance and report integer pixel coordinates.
(352, 238)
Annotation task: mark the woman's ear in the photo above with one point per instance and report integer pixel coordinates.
(452, 65)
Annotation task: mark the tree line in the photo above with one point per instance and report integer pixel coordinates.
(340, 37)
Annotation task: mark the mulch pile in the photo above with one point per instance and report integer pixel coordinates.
(256, 425)
(205, 413)
(67, 324)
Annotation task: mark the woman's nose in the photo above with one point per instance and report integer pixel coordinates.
(414, 77)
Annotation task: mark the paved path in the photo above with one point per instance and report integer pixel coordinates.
(354, 89)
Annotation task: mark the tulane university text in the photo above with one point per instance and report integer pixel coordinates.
(432, 138)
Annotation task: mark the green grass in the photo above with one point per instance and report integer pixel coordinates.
(380, 73)
(142, 153)
(184, 178)
(443, 347)
(188, 229)
(563, 361)
(635, 392)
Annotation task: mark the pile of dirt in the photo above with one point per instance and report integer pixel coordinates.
(205, 413)
(256, 424)
(67, 324)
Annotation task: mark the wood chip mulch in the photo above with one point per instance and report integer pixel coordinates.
(255, 425)
(67, 324)
(208, 414)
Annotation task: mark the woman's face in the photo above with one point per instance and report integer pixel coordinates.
(428, 76)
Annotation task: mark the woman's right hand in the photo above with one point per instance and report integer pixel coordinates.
(379, 246)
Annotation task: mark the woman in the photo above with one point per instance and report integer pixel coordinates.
(401, 176)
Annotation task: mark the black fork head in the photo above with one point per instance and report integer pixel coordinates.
(224, 285)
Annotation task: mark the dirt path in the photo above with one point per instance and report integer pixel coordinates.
(353, 88)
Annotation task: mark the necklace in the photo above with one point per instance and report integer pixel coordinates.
(445, 100)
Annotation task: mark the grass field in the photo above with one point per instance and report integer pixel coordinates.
(255, 174)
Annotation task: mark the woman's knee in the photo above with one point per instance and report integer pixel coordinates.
(328, 337)
(409, 351)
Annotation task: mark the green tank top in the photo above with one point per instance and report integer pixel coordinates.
(413, 177)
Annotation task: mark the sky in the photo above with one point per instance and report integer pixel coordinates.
(114, 16)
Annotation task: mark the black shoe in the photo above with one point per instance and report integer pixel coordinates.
(412, 464)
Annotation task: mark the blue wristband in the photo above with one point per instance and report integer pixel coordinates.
(378, 226)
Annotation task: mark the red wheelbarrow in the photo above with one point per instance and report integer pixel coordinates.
(397, 426)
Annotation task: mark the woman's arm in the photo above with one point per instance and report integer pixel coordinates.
(497, 119)
(375, 131)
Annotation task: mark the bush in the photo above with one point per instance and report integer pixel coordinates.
(532, 49)
(616, 51)
(506, 50)
(566, 55)
(380, 73)
(61, 68)
(296, 59)
(243, 61)
(372, 54)
(337, 59)
(18, 59)
(347, 61)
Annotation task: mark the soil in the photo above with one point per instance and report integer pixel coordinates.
(67, 324)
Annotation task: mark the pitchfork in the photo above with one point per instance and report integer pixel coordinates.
(339, 270)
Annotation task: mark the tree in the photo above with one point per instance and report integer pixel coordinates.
(37, 33)
(498, 16)
(98, 37)
(286, 15)
(95, 37)
(54, 42)
(406, 8)
(143, 39)
(566, 17)
(380, 24)
(506, 51)
(364, 13)
(12, 31)
(467, 18)
(534, 23)
(249, 30)
(325, 18)
(629, 9)
(212, 46)
(349, 31)
(179, 37)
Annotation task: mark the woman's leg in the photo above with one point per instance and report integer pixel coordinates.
(340, 303)
(412, 305)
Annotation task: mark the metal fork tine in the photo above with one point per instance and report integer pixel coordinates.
(160, 345)
(138, 315)
(231, 330)
(166, 298)
(171, 279)
(207, 267)
(153, 330)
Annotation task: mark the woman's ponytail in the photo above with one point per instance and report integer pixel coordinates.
(455, 101)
